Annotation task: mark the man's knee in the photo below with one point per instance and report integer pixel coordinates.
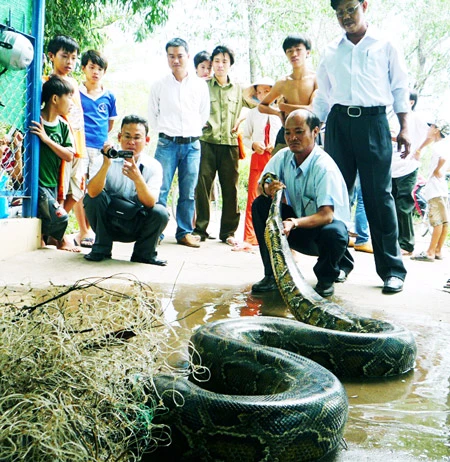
(261, 205)
(97, 203)
(160, 214)
(335, 232)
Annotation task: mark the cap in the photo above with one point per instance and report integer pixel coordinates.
(250, 92)
(442, 126)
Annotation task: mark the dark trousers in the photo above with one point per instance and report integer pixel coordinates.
(147, 234)
(363, 144)
(53, 216)
(328, 242)
(224, 160)
(402, 188)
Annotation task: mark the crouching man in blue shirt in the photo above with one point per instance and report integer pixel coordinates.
(127, 181)
(317, 208)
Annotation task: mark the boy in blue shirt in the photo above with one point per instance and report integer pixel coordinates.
(99, 108)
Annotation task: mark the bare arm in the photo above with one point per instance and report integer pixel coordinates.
(428, 140)
(62, 152)
(145, 196)
(97, 183)
(323, 216)
(288, 108)
(438, 173)
(110, 124)
(265, 105)
(402, 137)
(16, 147)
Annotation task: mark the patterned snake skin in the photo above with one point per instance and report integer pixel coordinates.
(354, 346)
(258, 399)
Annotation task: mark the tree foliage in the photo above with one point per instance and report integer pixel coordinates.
(85, 20)
(423, 30)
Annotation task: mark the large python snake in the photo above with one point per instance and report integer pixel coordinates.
(258, 399)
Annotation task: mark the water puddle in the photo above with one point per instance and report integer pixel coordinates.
(406, 418)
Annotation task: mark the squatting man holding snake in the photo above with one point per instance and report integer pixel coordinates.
(316, 207)
(135, 179)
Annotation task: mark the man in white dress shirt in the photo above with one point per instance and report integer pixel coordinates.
(360, 74)
(178, 110)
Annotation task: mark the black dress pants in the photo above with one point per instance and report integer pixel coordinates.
(328, 242)
(146, 237)
(363, 144)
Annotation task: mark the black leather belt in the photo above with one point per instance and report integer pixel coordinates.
(179, 139)
(357, 111)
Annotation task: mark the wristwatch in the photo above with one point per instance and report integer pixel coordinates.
(293, 221)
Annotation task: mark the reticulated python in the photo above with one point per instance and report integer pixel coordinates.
(260, 400)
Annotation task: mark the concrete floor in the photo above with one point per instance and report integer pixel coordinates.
(214, 275)
(215, 264)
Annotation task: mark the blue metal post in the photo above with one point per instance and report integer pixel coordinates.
(34, 97)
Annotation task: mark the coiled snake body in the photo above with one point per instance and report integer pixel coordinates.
(264, 402)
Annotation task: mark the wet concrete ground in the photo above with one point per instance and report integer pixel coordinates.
(401, 419)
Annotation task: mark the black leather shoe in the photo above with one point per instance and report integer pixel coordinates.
(97, 256)
(325, 289)
(267, 284)
(392, 285)
(148, 261)
(342, 276)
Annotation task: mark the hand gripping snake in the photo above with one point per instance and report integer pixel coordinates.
(261, 398)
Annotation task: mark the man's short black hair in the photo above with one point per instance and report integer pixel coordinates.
(413, 97)
(335, 3)
(177, 42)
(95, 57)
(55, 85)
(296, 39)
(223, 49)
(135, 119)
(201, 57)
(311, 118)
(63, 42)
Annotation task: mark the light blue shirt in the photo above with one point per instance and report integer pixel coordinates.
(118, 184)
(315, 183)
(371, 73)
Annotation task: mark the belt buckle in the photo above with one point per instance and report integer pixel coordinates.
(349, 111)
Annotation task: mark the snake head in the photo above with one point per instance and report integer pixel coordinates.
(267, 179)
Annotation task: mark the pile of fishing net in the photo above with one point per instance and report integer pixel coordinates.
(76, 368)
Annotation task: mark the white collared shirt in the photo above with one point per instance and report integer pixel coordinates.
(179, 108)
(255, 127)
(370, 73)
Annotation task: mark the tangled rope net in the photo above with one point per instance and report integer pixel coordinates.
(76, 368)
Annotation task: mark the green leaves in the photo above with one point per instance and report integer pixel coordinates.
(85, 20)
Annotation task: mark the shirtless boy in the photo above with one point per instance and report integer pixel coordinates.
(295, 91)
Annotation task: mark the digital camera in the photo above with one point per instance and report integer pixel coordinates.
(115, 154)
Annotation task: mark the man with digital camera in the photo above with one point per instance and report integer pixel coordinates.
(121, 200)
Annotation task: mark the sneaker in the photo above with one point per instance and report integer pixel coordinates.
(366, 247)
(267, 284)
(325, 289)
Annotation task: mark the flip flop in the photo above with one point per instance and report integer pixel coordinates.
(231, 241)
(422, 256)
(243, 247)
(87, 242)
(447, 285)
(438, 257)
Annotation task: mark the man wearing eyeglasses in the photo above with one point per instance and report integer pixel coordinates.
(121, 200)
(360, 74)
